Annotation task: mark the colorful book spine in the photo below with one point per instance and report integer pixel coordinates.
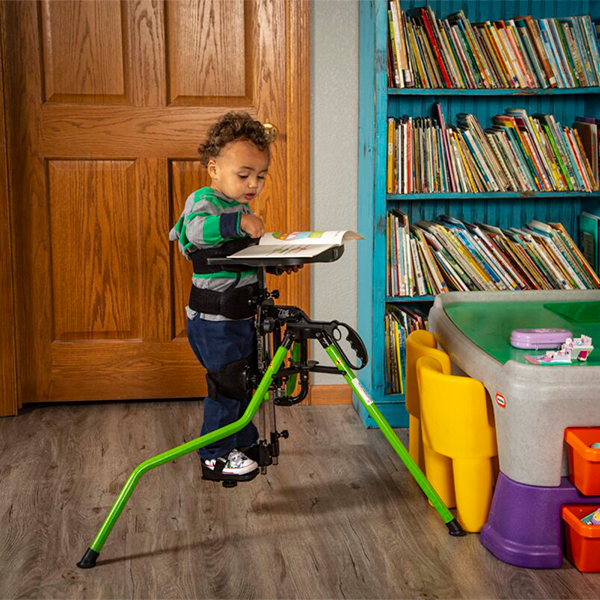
(450, 254)
(519, 52)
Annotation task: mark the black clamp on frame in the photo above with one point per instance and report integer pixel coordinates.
(299, 328)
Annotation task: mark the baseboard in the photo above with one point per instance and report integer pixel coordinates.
(330, 394)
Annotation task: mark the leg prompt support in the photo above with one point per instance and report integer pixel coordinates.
(89, 559)
(233, 380)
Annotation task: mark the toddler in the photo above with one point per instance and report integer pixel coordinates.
(217, 221)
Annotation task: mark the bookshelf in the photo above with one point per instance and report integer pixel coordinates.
(377, 102)
(492, 92)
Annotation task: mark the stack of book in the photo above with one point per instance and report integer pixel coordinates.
(399, 323)
(426, 52)
(412, 267)
(519, 153)
(431, 257)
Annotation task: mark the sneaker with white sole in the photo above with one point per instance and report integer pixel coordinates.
(252, 452)
(235, 466)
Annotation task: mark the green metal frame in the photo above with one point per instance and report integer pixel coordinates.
(259, 396)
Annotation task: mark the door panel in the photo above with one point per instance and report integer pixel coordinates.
(85, 52)
(219, 63)
(106, 103)
(94, 250)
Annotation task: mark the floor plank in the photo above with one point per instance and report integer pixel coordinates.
(339, 517)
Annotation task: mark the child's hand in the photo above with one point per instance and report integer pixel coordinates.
(252, 225)
(293, 269)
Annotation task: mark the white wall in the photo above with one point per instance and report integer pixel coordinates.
(334, 158)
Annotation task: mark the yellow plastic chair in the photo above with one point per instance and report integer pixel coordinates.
(459, 439)
(419, 343)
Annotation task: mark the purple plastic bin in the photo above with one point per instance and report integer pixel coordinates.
(525, 524)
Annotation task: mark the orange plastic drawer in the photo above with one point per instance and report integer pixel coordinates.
(583, 541)
(584, 462)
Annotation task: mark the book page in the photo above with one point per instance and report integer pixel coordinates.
(330, 238)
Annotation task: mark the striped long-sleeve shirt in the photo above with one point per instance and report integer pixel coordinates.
(208, 220)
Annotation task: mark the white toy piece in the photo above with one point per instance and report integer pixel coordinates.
(580, 347)
(574, 348)
(562, 356)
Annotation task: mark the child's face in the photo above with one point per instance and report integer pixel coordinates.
(239, 171)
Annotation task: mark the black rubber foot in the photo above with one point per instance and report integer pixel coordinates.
(89, 559)
(455, 529)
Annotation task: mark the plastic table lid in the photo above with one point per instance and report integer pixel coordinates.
(576, 312)
(489, 325)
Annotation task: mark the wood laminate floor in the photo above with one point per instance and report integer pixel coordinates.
(339, 517)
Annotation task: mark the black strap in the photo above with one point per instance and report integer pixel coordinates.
(201, 255)
(238, 303)
(220, 464)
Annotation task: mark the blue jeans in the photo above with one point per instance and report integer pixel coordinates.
(216, 344)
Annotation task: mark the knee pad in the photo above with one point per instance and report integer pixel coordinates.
(233, 380)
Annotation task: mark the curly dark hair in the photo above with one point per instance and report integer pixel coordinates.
(229, 128)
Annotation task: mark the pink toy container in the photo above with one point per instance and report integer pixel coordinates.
(539, 339)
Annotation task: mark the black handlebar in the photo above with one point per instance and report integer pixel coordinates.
(353, 339)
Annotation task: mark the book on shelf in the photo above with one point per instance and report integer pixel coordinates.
(398, 46)
(412, 269)
(587, 130)
(519, 52)
(589, 239)
(517, 153)
(400, 322)
(432, 257)
(296, 244)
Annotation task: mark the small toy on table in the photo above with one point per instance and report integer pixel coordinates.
(539, 339)
(592, 519)
(580, 347)
(573, 348)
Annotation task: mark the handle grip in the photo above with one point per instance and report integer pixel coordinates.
(355, 342)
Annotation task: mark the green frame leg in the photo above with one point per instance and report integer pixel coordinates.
(92, 553)
(453, 525)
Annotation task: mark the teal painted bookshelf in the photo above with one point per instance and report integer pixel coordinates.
(495, 92)
(377, 102)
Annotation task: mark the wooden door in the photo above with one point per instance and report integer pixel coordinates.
(106, 103)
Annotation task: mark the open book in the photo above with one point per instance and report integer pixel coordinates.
(297, 244)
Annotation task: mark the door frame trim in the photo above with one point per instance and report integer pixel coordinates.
(9, 403)
(298, 133)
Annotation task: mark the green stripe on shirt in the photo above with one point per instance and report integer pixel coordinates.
(209, 195)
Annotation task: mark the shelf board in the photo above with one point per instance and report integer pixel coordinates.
(406, 299)
(492, 196)
(394, 398)
(495, 92)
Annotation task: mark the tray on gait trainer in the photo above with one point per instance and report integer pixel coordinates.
(329, 255)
